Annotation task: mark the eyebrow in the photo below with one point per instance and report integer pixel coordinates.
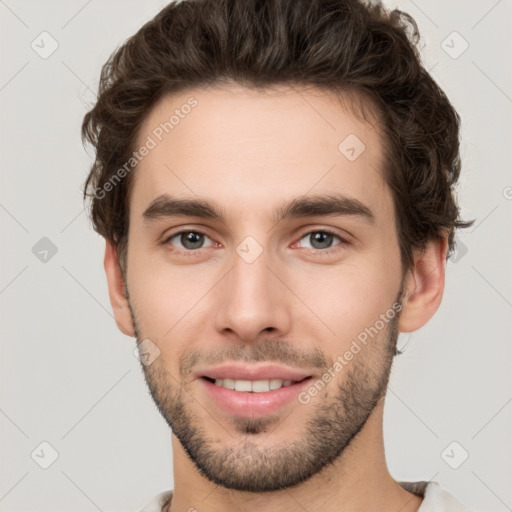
(167, 206)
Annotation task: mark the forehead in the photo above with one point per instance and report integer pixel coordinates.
(243, 147)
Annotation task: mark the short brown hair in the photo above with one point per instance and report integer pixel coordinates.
(337, 45)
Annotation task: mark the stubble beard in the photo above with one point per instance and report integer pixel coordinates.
(239, 463)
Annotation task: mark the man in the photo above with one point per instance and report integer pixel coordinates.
(274, 181)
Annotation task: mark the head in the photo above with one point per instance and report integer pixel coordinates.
(275, 184)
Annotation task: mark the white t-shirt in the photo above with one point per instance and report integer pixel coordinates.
(435, 499)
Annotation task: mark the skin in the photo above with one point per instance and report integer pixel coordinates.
(249, 153)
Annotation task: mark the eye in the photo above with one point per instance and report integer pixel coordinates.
(189, 240)
(320, 240)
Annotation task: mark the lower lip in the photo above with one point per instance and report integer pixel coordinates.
(243, 403)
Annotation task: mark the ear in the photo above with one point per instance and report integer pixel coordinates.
(116, 291)
(424, 285)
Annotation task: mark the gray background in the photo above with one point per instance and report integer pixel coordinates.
(69, 377)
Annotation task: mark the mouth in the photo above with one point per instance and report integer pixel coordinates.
(253, 386)
(251, 390)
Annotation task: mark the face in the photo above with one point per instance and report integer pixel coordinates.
(262, 251)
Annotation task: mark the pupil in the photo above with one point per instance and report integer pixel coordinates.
(321, 238)
(191, 240)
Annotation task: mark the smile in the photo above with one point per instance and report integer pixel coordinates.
(255, 386)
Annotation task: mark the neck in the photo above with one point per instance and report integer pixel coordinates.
(357, 481)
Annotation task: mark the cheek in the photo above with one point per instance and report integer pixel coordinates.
(164, 295)
(346, 299)
(329, 302)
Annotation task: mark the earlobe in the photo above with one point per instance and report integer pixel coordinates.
(424, 286)
(116, 291)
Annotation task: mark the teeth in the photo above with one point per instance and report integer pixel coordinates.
(260, 386)
(228, 383)
(275, 383)
(242, 385)
(256, 386)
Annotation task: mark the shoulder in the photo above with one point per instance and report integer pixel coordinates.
(435, 498)
(157, 502)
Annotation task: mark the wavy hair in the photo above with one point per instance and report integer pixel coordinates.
(338, 45)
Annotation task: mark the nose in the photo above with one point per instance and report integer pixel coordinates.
(252, 300)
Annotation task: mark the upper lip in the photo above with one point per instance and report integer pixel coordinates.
(244, 372)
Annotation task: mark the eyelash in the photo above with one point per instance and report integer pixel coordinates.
(327, 251)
